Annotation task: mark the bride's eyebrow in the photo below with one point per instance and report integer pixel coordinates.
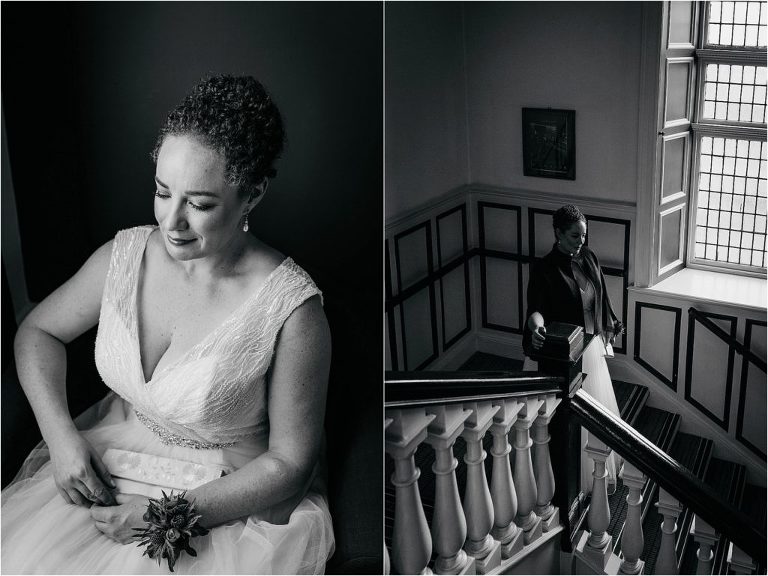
(189, 192)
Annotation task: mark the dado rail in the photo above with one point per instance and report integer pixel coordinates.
(530, 517)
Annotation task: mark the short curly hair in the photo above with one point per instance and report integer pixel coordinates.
(565, 216)
(235, 116)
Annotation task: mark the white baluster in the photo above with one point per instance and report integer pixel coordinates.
(594, 547)
(449, 527)
(478, 506)
(669, 508)
(503, 491)
(632, 541)
(545, 477)
(739, 562)
(525, 480)
(411, 543)
(706, 537)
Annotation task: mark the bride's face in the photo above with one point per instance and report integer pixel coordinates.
(198, 212)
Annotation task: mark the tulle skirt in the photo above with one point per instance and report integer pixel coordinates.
(43, 534)
(597, 384)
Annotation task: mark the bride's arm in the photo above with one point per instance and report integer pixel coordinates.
(296, 403)
(41, 363)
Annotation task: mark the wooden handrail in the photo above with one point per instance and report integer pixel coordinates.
(670, 474)
(417, 389)
(727, 338)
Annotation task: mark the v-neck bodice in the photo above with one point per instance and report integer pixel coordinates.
(215, 392)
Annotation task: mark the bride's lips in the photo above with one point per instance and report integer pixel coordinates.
(179, 241)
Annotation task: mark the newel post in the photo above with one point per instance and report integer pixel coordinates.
(411, 543)
(564, 446)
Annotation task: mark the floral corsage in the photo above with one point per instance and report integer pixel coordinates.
(171, 522)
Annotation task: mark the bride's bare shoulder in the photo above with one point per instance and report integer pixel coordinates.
(263, 259)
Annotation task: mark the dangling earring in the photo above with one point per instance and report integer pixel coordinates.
(245, 224)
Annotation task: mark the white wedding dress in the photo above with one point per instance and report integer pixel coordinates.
(207, 407)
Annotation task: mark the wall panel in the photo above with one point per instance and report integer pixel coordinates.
(709, 369)
(751, 421)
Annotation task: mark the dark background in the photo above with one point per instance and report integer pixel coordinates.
(85, 88)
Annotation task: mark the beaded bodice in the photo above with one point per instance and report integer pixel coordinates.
(215, 393)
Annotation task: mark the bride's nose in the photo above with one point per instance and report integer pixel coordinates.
(177, 218)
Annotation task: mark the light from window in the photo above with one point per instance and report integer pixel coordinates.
(737, 24)
(731, 211)
(735, 93)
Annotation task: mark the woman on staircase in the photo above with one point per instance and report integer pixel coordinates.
(568, 285)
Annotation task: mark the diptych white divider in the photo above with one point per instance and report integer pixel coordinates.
(525, 480)
(739, 562)
(632, 540)
(669, 508)
(411, 542)
(449, 527)
(542, 469)
(387, 422)
(478, 506)
(706, 537)
(503, 491)
(594, 547)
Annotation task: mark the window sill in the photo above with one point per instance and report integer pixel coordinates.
(712, 287)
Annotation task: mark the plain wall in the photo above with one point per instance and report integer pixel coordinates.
(582, 56)
(504, 56)
(426, 113)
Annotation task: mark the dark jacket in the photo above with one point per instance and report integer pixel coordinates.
(554, 293)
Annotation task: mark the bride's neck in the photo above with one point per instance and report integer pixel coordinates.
(224, 263)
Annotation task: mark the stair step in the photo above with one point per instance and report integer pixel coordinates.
(631, 399)
(728, 480)
(660, 427)
(692, 452)
(481, 361)
(753, 504)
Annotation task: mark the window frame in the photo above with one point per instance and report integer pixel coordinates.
(705, 55)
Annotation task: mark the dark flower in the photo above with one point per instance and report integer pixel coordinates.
(171, 521)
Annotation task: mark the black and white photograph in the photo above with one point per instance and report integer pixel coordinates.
(575, 287)
(191, 288)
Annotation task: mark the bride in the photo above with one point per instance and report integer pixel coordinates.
(567, 285)
(217, 352)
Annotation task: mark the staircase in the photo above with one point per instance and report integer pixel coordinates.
(728, 479)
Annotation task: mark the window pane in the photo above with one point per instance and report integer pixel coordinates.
(728, 86)
(730, 225)
(736, 24)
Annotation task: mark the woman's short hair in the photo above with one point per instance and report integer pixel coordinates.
(565, 216)
(235, 116)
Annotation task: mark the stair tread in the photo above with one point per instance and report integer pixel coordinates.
(754, 503)
(484, 361)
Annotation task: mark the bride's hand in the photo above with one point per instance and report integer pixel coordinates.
(118, 522)
(79, 473)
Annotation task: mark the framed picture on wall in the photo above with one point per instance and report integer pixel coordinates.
(549, 143)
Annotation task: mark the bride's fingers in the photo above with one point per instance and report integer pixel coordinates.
(77, 498)
(101, 470)
(93, 489)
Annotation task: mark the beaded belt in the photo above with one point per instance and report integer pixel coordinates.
(169, 438)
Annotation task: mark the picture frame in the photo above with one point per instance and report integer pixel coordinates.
(549, 143)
